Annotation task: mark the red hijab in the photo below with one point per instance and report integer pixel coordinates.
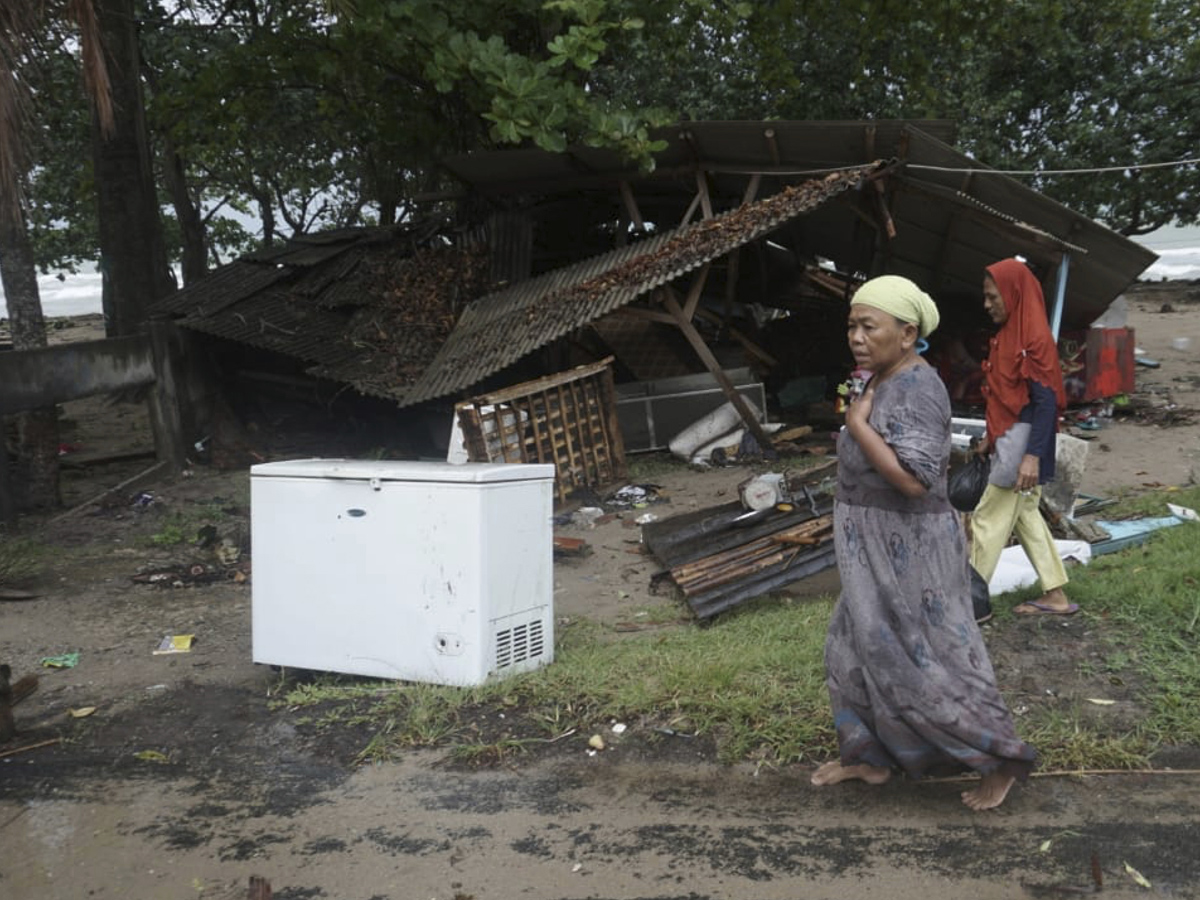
(1023, 350)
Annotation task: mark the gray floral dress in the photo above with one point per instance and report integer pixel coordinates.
(909, 678)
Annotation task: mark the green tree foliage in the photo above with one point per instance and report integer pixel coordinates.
(316, 113)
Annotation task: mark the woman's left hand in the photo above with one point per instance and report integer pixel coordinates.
(1027, 473)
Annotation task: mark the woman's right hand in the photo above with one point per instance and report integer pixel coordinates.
(984, 447)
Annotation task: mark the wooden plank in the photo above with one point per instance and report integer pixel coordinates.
(541, 384)
(126, 486)
(471, 424)
(690, 211)
(612, 426)
(535, 425)
(631, 207)
(752, 188)
(34, 379)
(705, 200)
(696, 289)
(727, 386)
(568, 445)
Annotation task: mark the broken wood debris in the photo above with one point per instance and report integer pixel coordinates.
(569, 546)
(568, 419)
(721, 556)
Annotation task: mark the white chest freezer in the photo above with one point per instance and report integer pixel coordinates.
(421, 571)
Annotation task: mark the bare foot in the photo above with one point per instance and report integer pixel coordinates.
(1051, 603)
(991, 791)
(1055, 599)
(833, 772)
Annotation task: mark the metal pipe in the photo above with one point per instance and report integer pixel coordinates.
(1060, 294)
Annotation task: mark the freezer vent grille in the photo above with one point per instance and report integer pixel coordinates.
(519, 643)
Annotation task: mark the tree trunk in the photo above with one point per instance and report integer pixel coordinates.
(35, 474)
(191, 224)
(133, 256)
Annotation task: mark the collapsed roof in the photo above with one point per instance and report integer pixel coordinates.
(418, 312)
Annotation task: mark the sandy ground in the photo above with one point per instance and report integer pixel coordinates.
(184, 781)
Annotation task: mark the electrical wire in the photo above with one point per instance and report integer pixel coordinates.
(1090, 171)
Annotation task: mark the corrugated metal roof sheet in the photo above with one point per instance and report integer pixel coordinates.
(935, 244)
(301, 299)
(497, 330)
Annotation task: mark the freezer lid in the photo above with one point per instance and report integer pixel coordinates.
(404, 470)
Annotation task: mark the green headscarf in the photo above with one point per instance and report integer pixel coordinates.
(903, 299)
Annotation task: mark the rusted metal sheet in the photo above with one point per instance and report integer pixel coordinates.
(499, 329)
(933, 244)
(722, 556)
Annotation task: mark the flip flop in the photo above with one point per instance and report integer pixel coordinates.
(1045, 610)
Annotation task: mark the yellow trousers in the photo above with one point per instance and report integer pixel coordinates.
(1003, 512)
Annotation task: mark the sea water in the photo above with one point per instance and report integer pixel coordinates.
(70, 295)
(1178, 252)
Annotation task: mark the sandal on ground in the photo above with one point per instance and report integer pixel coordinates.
(1043, 609)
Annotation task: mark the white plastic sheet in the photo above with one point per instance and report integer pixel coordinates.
(1016, 571)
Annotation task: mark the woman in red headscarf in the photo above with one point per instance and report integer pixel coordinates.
(1024, 394)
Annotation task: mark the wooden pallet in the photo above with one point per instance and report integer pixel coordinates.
(568, 419)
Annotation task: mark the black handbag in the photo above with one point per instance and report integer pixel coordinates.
(981, 598)
(967, 482)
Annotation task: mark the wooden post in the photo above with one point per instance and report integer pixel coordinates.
(165, 419)
(710, 361)
(631, 207)
(702, 189)
(8, 503)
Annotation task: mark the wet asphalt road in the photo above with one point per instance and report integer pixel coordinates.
(614, 825)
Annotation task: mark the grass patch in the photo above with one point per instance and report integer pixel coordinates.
(182, 525)
(753, 681)
(20, 559)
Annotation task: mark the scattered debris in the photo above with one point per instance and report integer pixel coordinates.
(5, 754)
(1132, 532)
(636, 496)
(176, 643)
(1137, 876)
(721, 556)
(187, 574)
(569, 546)
(61, 661)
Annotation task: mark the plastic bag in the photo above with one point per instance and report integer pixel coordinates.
(967, 483)
(981, 598)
